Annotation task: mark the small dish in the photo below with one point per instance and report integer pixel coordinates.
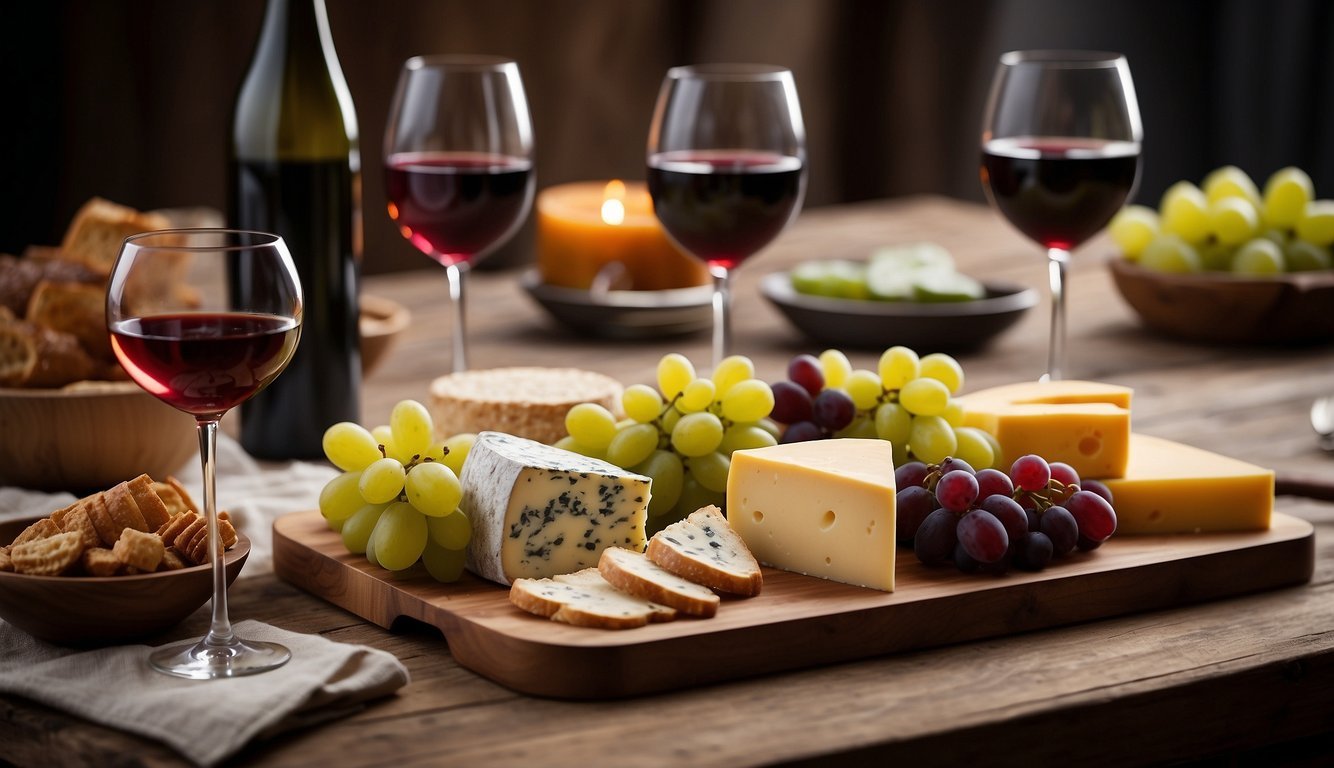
(382, 321)
(616, 314)
(94, 611)
(869, 324)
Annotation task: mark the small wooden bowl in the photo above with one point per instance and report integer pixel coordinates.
(90, 435)
(1295, 308)
(382, 322)
(90, 611)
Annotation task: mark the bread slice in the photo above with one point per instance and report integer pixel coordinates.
(704, 549)
(585, 599)
(635, 574)
(79, 309)
(99, 227)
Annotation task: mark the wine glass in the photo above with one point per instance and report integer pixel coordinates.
(458, 164)
(1060, 155)
(204, 350)
(726, 168)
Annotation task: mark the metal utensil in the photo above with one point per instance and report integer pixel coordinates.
(1322, 420)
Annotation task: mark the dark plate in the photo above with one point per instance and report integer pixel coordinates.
(624, 314)
(878, 324)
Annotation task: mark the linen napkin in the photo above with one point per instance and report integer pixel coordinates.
(204, 720)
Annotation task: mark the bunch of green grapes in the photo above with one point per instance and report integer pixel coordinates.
(397, 500)
(908, 400)
(682, 434)
(1228, 225)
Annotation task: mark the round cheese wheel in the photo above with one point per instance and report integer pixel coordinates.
(526, 402)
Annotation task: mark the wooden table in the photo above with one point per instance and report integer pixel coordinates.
(1225, 678)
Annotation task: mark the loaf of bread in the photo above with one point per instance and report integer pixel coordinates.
(33, 356)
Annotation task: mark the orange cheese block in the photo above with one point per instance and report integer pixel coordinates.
(1175, 488)
(1085, 424)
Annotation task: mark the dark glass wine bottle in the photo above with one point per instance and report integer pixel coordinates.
(295, 170)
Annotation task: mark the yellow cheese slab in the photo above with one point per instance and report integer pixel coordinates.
(823, 508)
(1175, 488)
(1085, 424)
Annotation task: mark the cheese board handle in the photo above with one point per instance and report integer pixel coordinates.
(1311, 486)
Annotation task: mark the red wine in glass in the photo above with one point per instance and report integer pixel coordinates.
(724, 206)
(1059, 191)
(204, 363)
(455, 205)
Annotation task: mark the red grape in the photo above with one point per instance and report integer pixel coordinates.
(1030, 472)
(950, 464)
(1033, 551)
(1065, 475)
(912, 505)
(957, 490)
(982, 536)
(1060, 527)
(1087, 545)
(806, 371)
(791, 403)
(964, 561)
(1008, 511)
(833, 409)
(1096, 518)
(801, 432)
(912, 473)
(1100, 488)
(993, 481)
(934, 543)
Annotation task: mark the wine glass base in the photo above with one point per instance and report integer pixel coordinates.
(204, 661)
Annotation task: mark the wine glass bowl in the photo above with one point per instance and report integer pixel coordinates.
(1060, 155)
(458, 164)
(205, 351)
(726, 167)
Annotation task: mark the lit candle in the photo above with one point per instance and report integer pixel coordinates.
(590, 227)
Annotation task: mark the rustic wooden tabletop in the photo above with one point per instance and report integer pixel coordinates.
(1249, 677)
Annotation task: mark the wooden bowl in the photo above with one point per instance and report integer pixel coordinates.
(382, 322)
(1294, 308)
(90, 435)
(91, 611)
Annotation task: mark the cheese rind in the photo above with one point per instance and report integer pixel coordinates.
(1175, 488)
(824, 508)
(1082, 423)
(538, 511)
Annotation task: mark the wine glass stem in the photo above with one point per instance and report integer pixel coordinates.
(722, 312)
(456, 274)
(220, 630)
(1058, 259)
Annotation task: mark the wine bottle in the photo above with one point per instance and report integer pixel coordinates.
(295, 170)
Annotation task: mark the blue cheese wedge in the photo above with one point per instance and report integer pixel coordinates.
(538, 511)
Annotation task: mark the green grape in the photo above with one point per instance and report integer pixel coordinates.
(410, 424)
(1132, 228)
(932, 439)
(1184, 212)
(436, 452)
(992, 441)
(452, 531)
(370, 550)
(864, 388)
(893, 423)
(1215, 257)
(334, 525)
(945, 369)
(974, 448)
(1286, 194)
(862, 427)
(1301, 256)
(457, 449)
(350, 447)
(697, 396)
(568, 443)
(770, 426)
(1170, 253)
(1258, 257)
(664, 468)
(591, 425)
(1279, 236)
(1230, 182)
(898, 366)
(835, 366)
(1316, 225)
(740, 437)
(341, 496)
(925, 397)
(382, 481)
(697, 434)
(953, 414)
(695, 496)
(748, 401)
(641, 402)
(899, 453)
(357, 528)
(674, 373)
(633, 445)
(399, 537)
(1233, 220)
(443, 564)
(384, 437)
(732, 371)
(711, 470)
(433, 489)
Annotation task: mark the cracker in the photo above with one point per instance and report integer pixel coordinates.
(124, 509)
(6, 564)
(152, 506)
(100, 561)
(50, 556)
(79, 522)
(41, 529)
(226, 532)
(101, 517)
(177, 525)
(138, 549)
(185, 495)
(171, 561)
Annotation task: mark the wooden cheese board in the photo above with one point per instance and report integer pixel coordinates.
(798, 621)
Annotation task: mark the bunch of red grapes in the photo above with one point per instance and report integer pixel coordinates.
(988, 521)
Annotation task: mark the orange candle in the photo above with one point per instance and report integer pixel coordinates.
(588, 227)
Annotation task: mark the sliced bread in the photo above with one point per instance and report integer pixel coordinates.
(704, 549)
(635, 574)
(585, 599)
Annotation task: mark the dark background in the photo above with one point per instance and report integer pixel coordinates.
(131, 100)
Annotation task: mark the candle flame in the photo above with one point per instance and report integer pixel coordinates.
(613, 203)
